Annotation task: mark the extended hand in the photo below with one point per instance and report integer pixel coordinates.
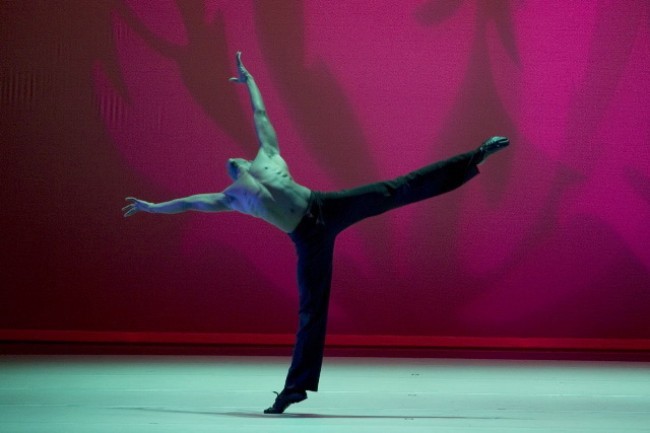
(243, 74)
(135, 206)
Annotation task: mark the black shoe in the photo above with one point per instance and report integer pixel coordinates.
(492, 145)
(286, 398)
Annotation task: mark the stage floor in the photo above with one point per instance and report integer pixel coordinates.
(227, 394)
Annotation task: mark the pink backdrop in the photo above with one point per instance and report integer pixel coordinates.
(104, 99)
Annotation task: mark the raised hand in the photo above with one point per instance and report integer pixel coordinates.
(242, 74)
(135, 206)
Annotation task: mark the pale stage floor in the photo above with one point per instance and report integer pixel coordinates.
(227, 394)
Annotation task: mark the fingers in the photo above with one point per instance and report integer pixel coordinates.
(238, 60)
(240, 69)
(129, 210)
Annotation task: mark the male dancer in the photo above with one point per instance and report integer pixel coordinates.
(264, 188)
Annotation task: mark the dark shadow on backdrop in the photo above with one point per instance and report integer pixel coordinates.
(477, 113)
(205, 66)
(322, 112)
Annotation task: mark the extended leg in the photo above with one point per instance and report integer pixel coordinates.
(347, 207)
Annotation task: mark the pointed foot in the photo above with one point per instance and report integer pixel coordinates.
(284, 399)
(492, 145)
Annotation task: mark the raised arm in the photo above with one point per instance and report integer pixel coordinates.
(265, 131)
(217, 202)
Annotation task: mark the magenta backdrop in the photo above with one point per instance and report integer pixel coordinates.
(106, 99)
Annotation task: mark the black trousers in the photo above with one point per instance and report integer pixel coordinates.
(330, 213)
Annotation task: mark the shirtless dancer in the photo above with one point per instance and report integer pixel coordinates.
(264, 188)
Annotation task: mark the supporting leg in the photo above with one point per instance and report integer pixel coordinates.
(315, 248)
(314, 281)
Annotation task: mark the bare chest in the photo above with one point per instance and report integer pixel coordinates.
(268, 191)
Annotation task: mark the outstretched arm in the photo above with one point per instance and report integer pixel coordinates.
(217, 202)
(265, 131)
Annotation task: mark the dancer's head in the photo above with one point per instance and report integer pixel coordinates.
(237, 166)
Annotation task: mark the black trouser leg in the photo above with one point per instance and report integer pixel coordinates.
(344, 208)
(315, 252)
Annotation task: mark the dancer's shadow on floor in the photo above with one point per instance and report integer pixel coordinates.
(350, 416)
(310, 415)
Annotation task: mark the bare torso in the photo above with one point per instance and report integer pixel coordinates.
(266, 190)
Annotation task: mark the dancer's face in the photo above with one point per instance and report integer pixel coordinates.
(237, 166)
